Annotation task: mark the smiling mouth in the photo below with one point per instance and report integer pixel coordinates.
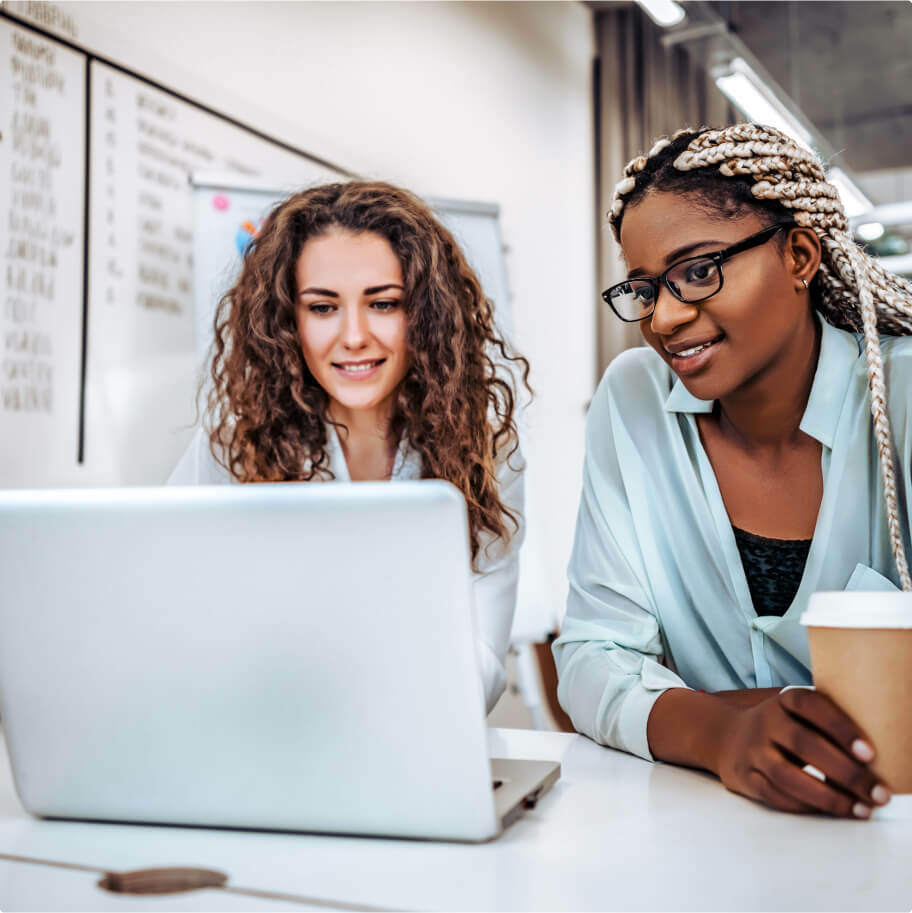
(695, 350)
(358, 367)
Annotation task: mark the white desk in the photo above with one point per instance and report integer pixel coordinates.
(614, 833)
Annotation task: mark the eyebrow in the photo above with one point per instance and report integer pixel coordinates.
(328, 293)
(678, 253)
(312, 290)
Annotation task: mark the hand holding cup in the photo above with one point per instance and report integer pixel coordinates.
(766, 748)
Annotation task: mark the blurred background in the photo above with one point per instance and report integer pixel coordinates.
(527, 111)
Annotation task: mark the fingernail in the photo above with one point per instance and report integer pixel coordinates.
(860, 810)
(862, 750)
(880, 794)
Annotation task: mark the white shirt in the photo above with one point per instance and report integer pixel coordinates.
(494, 583)
(658, 596)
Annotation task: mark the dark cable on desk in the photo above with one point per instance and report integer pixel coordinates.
(177, 880)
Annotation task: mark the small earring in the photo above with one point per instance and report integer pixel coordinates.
(805, 283)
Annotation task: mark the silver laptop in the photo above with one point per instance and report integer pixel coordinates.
(294, 657)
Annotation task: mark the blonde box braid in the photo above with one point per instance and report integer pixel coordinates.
(854, 292)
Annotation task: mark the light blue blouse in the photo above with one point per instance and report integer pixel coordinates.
(658, 598)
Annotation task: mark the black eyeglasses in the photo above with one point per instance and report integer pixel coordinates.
(691, 280)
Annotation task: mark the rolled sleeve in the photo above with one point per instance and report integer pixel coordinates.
(610, 654)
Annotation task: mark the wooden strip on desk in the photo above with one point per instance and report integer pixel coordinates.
(136, 882)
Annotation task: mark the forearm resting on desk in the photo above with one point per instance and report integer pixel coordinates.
(760, 745)
(686, 727)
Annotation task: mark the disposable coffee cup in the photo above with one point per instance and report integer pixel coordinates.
(861, 657)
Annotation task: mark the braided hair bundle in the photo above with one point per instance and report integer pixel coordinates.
(852, 290)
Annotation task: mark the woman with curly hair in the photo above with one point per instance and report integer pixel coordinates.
(733, 468)
(357, 344)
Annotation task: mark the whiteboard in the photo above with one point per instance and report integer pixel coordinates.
(42, 163)
(109, 289)
(476, 227)
(143, 365)
(228, 209)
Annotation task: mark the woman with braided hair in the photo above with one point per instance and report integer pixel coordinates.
(744, 459)
(357, 344)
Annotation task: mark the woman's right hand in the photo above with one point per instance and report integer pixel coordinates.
(763, 749)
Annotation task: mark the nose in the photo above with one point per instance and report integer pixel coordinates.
(354, 328)
(670, 313)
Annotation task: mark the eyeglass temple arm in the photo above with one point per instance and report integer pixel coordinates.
(754, 241)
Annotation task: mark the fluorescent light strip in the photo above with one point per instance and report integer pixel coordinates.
(891, 213)
(870, 231)
(854, 202)
(901, 265)
(662, 12)
(751, 95)
(760, 104)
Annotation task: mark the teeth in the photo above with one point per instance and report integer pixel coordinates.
(688, 352)
(359, 369)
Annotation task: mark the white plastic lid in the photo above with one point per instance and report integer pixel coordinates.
(859, 609)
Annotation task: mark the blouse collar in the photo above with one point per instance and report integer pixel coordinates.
(406, 464)
(839, 351)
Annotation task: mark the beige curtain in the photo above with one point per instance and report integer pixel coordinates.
(643, 90)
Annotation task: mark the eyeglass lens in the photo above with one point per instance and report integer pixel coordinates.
(690, 280)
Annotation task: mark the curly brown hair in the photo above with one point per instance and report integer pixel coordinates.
(457, 402)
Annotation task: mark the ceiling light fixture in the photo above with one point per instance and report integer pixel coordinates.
(854, 202)
(748, 92)
(759, 103)
(662, 12)
(891, 214)
(870, 231)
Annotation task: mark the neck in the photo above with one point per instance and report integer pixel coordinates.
(362, 423)
(767, 411)
(365, 440)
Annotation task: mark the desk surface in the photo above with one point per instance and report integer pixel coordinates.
(615, 833)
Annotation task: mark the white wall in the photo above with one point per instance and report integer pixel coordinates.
(483, 101)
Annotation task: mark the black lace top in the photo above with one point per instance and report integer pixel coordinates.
(773, 568)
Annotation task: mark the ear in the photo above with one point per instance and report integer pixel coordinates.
(803, 254)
